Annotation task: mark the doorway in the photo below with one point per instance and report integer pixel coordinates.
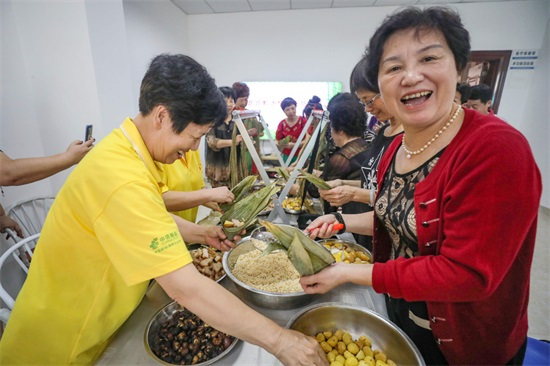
(488, 67)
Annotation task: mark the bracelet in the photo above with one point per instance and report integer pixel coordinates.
(340, 219)
(372, 197)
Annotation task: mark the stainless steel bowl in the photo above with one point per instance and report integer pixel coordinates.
(265, 299)
(153, 328)
(351, 244)
(194, 247)
(384, 334)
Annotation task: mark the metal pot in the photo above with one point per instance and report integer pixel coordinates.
(270, 300)
(153, 328)
(384, 334)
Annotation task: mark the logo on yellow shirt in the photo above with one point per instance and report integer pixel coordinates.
(164, 242)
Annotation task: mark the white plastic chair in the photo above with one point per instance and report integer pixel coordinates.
(30, 214)
(22, 253)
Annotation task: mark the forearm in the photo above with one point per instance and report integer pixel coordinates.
(362, 195)
(179, 200)
(190, 232)
(359, 223)
(219, 308)
(352, 183)
(27, 170)
(224, 143)
(360, 274)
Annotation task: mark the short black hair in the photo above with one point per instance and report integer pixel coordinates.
(313, 104)
(464, 90)
(287, 102)
(358, 79)
(185, 88)
(438, 18)
(228, 92)
(482, 92)
(347, 114)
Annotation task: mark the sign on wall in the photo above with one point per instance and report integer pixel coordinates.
(523, 60)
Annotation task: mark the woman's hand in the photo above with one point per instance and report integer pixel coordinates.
(216, 238)
(322, 227)
(77, 150)
(296, 349)
(327, 279)
(252, 132)
(338, 196)
(7, 223)
(221, 195)
(238, 139)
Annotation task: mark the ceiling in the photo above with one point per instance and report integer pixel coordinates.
(234, 6)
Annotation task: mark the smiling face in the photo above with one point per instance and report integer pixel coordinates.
(417, 77)
(171, 146)
(378, 107)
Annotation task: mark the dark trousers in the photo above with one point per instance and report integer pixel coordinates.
(398, 312)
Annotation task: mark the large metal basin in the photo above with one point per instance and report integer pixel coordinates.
(385, 335)
(270, 300)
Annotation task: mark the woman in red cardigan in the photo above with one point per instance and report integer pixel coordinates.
(455, 214)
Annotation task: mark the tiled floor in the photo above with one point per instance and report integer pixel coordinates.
(539, 301)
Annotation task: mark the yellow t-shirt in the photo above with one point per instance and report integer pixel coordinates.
(106, 235)
(185, 175)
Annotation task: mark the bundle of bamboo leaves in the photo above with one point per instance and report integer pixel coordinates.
(238, 166)
(282, 172)
(316, 181)
(239, 191)
(243, 212)
(307, 256)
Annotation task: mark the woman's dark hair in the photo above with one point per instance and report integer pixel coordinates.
(228, 92)
(287, 102)
(313, 104)
(185, 88)
(241, 89)
(442, 19)
(347, 114)
(358, 79)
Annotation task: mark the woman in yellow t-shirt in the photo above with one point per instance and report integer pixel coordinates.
(186, 191)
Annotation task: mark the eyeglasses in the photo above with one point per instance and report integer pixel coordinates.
(369, 103)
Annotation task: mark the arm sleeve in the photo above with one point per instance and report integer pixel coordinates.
(339, 166)
(212, 140)
(279, 134)
(490, 206)
(141, 240)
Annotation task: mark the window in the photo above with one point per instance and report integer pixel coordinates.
(266, 97)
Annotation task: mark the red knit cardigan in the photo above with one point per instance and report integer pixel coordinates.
(476, 219)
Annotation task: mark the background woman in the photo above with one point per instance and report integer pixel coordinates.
(290, 127)
(364, 190)
(451, 250)
(347, 125)
(218, 145)
(253, 126)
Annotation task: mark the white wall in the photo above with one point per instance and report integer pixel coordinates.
(325, 44)
(69, 63)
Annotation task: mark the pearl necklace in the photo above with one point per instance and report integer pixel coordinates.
(416, 152)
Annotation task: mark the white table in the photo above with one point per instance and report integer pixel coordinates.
(128, 347)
